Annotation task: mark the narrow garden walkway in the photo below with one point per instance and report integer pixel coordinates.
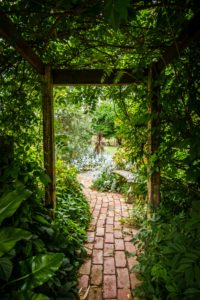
(106, 273)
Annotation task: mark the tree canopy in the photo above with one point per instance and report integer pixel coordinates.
(66, 34)
(103, 120)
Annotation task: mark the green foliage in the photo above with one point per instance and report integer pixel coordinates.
(39, 257)
(116, 12)
(121, 158)
(169, 255)
(72, 127)
(45, 262)
(139, 212)
(72, 206)
(31, 296)
(42, 268)
(103, 120)
(9, 236)
(108, 181)
(168, 243)
(6, 267)
(143, 30)
(66, 179)
(11, 201)
(132, 121)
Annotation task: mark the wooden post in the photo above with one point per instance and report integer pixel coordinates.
(48, 137)
(154, 143)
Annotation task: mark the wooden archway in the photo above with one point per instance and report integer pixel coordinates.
(51, 77)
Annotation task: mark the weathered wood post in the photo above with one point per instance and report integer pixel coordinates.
(48, 137)
(153, 142)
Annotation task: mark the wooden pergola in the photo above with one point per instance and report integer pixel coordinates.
(51, 77)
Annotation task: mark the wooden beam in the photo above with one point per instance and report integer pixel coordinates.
(95, 77)
(8, 31)
(48, 138)
(190, 33)
(153, 184)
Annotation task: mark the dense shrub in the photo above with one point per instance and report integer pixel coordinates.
(108, 181)
(139, 212)
(169, 245)
(44, 264)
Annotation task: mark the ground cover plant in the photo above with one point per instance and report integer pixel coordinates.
(40, 257)
(106, 180)
(169, 255)
(91, 160)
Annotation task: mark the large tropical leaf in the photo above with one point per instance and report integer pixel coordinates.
(31, 296)
(10, 202)
(9, 236)
(6, 267)
(42, 267)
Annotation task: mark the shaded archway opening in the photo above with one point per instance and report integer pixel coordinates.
(51, 77)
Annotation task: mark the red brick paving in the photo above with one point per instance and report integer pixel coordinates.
(97, 257)
(106, 274)
(97, 275)
(109, 287)
(108, 249)
(120, 259)
(109, 265)
(123, 294)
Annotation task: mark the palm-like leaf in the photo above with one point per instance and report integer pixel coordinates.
(9, 236)
(41, 269)
(10, 202)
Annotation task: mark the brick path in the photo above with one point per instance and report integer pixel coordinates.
(106, 273)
